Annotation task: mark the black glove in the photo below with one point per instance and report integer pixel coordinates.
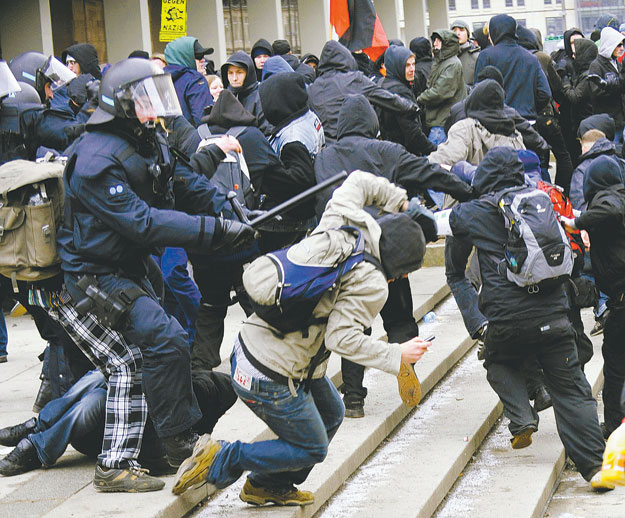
(231, 234)
(597, 80)
(253, 214)
(424, 218)
(74, 131)
(612, 81)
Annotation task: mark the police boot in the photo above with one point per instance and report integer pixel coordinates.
(179, 447)
(11, 435)
(20, 460)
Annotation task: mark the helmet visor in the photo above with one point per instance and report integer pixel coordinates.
(152, 97)
(8, 83)
(57, 73)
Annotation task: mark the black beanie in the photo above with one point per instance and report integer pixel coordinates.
(402, 245)
(281, 47)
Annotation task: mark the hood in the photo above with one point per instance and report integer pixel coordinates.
(610, 38)
(527, 39)
(307, 58)
(603, 173)
(275, 65)
(243, 60)
(421, 48)
(357, 117)
(567, 40)
(600, 121)
(86, 56)
(450, 47)
(481, 37)
(502, 27)
(486, 105)
(607, 20)
(500, 168)
(539, 37)
(603, 146)
(531, 164)
(335, 56)
(395, 59)
(228, 112)
(402, 245)
(261, 47)
(283, 98)
(490, 72)
(180, 52)
(292, 60)
(585, 53)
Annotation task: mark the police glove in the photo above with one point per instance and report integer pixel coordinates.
(231, 234)
(424, 218)
(597, 80)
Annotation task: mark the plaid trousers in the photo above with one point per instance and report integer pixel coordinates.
(126, 408)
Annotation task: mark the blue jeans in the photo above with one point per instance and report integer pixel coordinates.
(304, 424)
(76, 417)
(437, 135)
(4, 337)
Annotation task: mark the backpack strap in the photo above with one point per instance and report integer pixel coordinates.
(203, 131)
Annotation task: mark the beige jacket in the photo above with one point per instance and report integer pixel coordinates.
(469, 140)
(352, 306)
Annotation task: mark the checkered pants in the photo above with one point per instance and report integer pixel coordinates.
(126, 408)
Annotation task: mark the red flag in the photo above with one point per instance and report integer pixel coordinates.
(358, 26)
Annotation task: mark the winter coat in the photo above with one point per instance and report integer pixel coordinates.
(397, 127)
(578, 92)
(247, 94)
(480, 223)
(525, 83)
(86, 56)
(605, 222)
(486, 126)
(357, 148)
(344, 313)
(468, 57)
(422, 49)
(603, 147)
(262, 46)
(445, 86)
(339, 77)
(609, 99)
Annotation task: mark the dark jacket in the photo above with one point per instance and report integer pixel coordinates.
(113, 218)
(86, 56)
(605, 222)
(182, 135)
(467, 54)
(397, 127)
(578, 92)
(262, 46)
(528, 91)
(248, 93)
(445, 85)
(357, 148)
(339, 77)
(479, 222)
(422, 50)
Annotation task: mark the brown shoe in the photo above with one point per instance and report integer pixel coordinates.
(260, 496)
(409, 386)
(523, 439)
(192, 472)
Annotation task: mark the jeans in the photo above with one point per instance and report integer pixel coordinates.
(552, 341)
(76, 417)
(437, 135)
(4, 337)
(305, 424)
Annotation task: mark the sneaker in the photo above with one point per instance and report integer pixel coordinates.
(125, 480)
(599, 485)
(287, 496)
(4, 358)
(11, 435)
(599, 324)
(354, 405)
(20, 460)
(409, 386)
(542, 399)
(523, 439)
(481, 333)
(192, 472)
(179, 447)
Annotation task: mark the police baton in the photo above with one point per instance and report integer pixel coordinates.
(278, 210)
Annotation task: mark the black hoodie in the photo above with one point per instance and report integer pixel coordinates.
(339, 77)
(357, 148)
(422, 50)
(577, 90)
(486, 105)
(86, 56)
(480, 223)
(263, 47)
(283, 98)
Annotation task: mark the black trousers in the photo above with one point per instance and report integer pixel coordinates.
(552, 341)
(550, 130)
(613, 367)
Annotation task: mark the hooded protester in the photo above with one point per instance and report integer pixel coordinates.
(261, 52)
(608, 79)
(521, 324)
(365, 65)
(85, 56)
(306, 71)
(486, 126)
(338, 78)
(445, 86)
(275, 65)
(481, 37)
(239, 76)
(191, 86)
(528, 92)
(468, 50)
(403, 129)
(563, 58)
(422, 50)
(578, 90)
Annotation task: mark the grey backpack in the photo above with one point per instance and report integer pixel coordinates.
(537, 252)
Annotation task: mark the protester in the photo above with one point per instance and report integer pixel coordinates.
(82, 58)
(261, 52)
(215, 85)
(422, 50)
(468, 51)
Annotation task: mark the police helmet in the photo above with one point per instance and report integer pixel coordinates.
(135, 88)
(27, 95)
(8, 84)
(27, 67)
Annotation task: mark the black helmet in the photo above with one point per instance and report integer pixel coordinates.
(27, 68)
(133, 85)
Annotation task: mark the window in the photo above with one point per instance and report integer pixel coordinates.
(547, 2)
(235, 25)
(475, 4)
(520, 3)
(508, 3)
(290, 22)
(555, 26)
(486, 4)
(522, 22)
(452, 5)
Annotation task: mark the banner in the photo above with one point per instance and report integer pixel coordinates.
(358, 26)
(173, 20)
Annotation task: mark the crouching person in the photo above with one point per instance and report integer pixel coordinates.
(278, 366)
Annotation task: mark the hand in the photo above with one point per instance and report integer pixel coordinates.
(585, 239)
(413, 350)
(597, 80)
(424, 218)
(231, 234)
(228, 143)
